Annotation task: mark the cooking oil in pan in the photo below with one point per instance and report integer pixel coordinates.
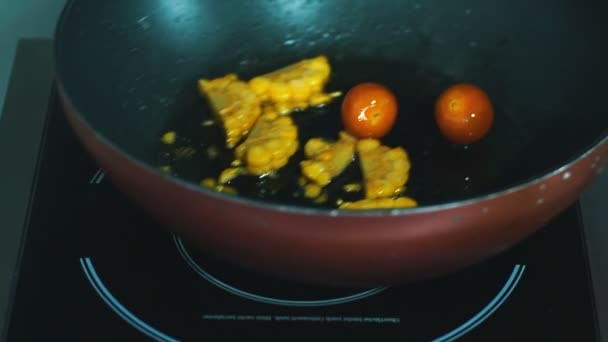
(440, 171)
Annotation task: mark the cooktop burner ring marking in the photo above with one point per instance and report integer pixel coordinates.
(263, 299)
(117, 307)
(138, 324)
(489, 309)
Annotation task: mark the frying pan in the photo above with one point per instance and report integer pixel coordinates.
(127, 72)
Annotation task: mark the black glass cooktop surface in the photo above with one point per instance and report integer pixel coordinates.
(96, 268)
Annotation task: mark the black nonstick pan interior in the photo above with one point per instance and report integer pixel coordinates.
(541, 62)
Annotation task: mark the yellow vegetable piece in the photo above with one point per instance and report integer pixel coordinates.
(385, 170)
(169, 138)
(312, 190)
(380, 203)
(272, 141)
(229, 174)
(212, 184)
(326, 160)
(234, 105)
(296, 86)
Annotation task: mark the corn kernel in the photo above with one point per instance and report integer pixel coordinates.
(284, 121)
(325, 156)
(270, 113)
(229, 174)
(314, 146)
(406, 202)
(226, 189)
(326, 160)
(208, 183)
(312, 191)
(291, 87)
(311, 169)
(313, 81)
(321, 199)
(284, 108)
(385, 170)
(379, 203)
(299, 90)
(258, 155)
(234, 104)
(324, 178)
(278, 163)
(279, 92)
(272, 141)
(259, 85)
(366, 145)
(301, 105)
(169, 138)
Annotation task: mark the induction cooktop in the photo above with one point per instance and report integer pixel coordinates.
(95, 267)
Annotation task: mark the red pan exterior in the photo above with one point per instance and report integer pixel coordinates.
(345, 250)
